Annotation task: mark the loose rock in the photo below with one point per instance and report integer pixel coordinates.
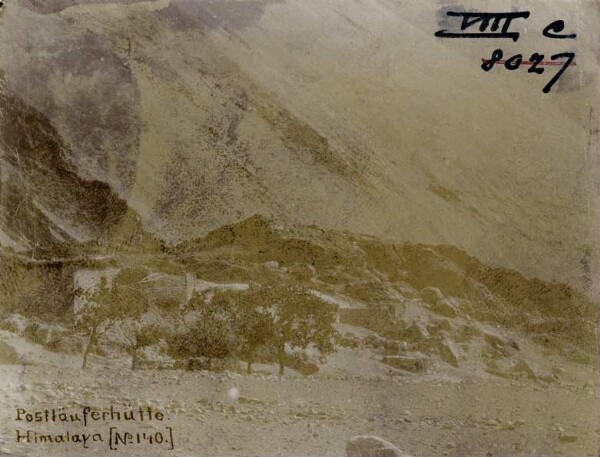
(372, 446)
(408, 363)
(448, 353)
(431, 294)
(444, 308)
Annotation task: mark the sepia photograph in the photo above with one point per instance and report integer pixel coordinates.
(299, 228)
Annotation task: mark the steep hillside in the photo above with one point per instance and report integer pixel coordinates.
(397, 286)
(348, 115)
(45, 206)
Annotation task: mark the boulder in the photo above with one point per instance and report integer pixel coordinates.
(438, 326)
(272, 264)
(44, 334)
(415, 332)
(444, 308)
(66, 343)
(448, 353)
(414, 364)
(566, 438)
(522, 369)
(8, 355)
(372, 446)
(432, 294)
(14, 323)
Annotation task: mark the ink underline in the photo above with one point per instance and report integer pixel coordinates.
(545, 63)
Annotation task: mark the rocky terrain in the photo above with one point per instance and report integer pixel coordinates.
(443, 413)
(438, 353)
(200, 113)
(328, 146)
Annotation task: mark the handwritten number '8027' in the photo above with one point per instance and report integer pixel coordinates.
(536, 60)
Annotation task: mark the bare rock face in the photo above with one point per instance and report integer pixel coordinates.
(416, 332)
(444, 308)
(437, 302)
(408, 363)
(8, 355)
(372, 446)
(449, 353)
(432, 294)
(56, 206)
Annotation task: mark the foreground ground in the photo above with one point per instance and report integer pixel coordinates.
(425, 415)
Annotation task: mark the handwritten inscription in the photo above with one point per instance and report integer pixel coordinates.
(536, 63)
(113, 428)
(489, 24)
(119, 438)
(497, 26)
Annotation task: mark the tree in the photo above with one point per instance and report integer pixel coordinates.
(104, 305)
(140, 335)
(239, 323)
(254, 323)
(212, 335)
(287, 316)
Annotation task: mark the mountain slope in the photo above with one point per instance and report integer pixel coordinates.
(349, 115)
(44, 205)
(393, 279)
